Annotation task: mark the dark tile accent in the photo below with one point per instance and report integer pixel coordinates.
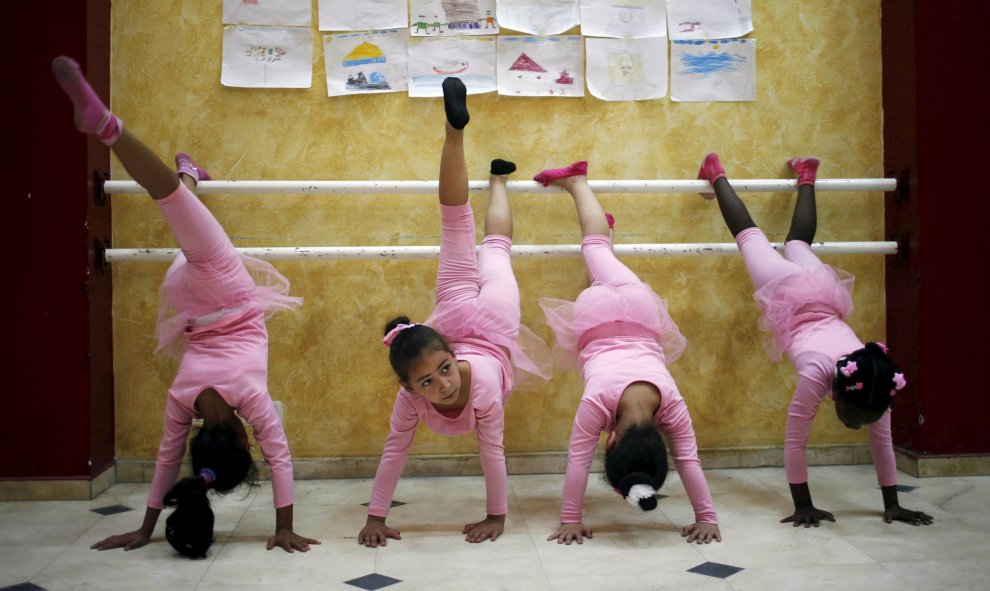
(394, 504)
(112, 509)
(23, 587)
(715, 569)
(372, 581)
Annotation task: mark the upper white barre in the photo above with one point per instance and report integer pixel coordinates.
(419, 187)
(284, 253)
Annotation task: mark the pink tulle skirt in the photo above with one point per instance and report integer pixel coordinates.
(601, 304)
(269, 295)
(532, 364)
(791, 301)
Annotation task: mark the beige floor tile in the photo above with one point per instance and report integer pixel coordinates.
(47, 543)
(844, 577)
(944, 574)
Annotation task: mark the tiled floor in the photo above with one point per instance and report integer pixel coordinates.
(45, 545)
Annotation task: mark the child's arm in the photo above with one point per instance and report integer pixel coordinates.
(270, 435)
(176, 423)
(684, 451)
(400, 438)
(136, 538)
(800, 416)
(882, 450)
(588, 426)
(490, 427)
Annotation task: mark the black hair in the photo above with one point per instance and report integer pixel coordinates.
(639, 457)
(871, 381)
(409, 344)
(218, 449)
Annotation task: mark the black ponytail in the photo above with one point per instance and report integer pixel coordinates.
(639, 457)
(221, 463)
(189, 529)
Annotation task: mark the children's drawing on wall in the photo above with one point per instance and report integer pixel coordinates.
(624, 18)
(709, 19)
(452, 17)
(289, 13)
(267, 57)
(716, 70)
(364, 63)
(538, 17)
(350, 15)
(627, 69)
(541, 66)
(472, 59)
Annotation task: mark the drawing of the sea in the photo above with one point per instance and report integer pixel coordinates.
(364, 57)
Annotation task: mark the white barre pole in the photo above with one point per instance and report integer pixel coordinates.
(421, 187)
(286, 253)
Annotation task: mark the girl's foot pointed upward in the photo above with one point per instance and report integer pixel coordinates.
(91, 115)
(455, 102)
(806, 169)
(711, 171)
(502, 167)
(184, 164)
(549, 175)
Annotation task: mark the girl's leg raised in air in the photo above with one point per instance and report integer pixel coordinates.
(804, 221)
(499, 290)
(596, 244)
(453, 170)
(498, 219)
(457, 272)
(733, 210)
(93, 117)
(200, 236)
(762, 262)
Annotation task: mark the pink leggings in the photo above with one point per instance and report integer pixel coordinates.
(603, 266)
(463, 275)
(765, 264)
(209, 272)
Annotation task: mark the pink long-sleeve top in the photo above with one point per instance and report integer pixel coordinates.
(814, 351)
(229, 355)
(609, 365)
(483, 414)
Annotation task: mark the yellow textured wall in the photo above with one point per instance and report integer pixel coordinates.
(818, 91)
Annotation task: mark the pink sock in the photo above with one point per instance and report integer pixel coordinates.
(184, 164)
(711, 171)
(806, 168)
(551, 174)
(91, 115)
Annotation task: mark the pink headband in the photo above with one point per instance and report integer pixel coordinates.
(387, 341)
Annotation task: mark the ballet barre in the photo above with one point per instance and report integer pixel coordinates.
(334, 253)
(423, 187)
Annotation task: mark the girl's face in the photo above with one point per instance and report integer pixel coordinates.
(435, 377)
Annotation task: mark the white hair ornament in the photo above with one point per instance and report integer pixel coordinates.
(639, 491)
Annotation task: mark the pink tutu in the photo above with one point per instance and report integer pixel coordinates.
(269, 295)
(466, 321)
(793, 300)
(602, 304)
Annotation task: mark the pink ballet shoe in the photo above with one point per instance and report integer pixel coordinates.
(90, 114)
(806, 169)
(552, 174)
(611, 220)
(186, 165)
(711, 171)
